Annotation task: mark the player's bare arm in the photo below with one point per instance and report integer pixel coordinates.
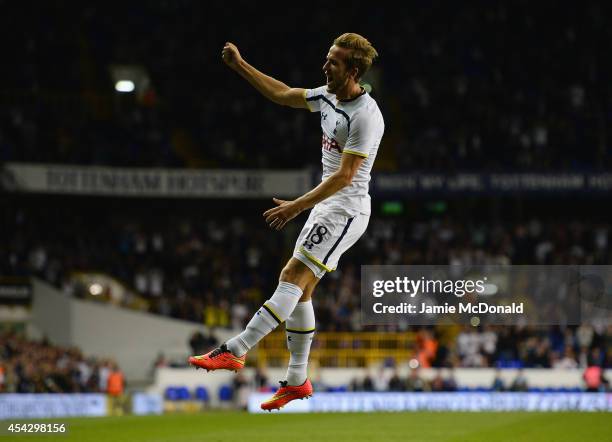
(278, 216)
(269, 87)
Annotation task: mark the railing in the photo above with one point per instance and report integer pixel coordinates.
(344, 349)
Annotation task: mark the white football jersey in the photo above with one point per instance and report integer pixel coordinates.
(353, 126)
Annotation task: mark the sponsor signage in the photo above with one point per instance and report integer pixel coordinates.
(490, 183)
(369, 402)
(253, 183)
(15, 291)
(30, 406)
(186, 183)
(143, 404)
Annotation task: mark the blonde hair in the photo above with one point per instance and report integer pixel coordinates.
(362, 52)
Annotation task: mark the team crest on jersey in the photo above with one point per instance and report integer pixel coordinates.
(330, 144)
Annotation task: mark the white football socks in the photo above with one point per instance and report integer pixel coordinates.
(274, 311)
(300, 328)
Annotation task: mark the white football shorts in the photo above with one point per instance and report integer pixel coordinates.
(326, 235)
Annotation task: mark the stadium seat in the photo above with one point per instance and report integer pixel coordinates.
(183, 393)
(505, 363)
(171, 394)
(201, 394)
(177, 393)
(226, 393)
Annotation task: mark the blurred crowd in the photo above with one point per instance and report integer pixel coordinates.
(217, 270)
(28, 366)
(443, 380)
(528, 347)
(477, 86)
(391, 380)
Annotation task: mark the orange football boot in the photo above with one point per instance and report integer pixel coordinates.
(219, 358)
(286, 394)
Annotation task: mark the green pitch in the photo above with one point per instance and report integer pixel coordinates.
(353, 427)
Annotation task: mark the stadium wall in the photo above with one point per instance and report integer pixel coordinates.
(50, 314)
(335, 377)
(132, 338)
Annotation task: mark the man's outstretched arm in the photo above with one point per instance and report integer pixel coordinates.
(269, 87)
(285, 211)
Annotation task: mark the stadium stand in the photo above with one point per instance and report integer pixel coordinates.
(525, 88)
(29, 366)
(184, 267)
(467, 87)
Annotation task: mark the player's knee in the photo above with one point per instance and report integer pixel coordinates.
(307, 296)
(296, 273)
(289, 274)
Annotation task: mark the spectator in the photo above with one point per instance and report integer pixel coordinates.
(381, 379)
(414, 381)
(368, 384)
(437, 383)
(594, 379)
(568, 361)
(520, 382)
(198, 343)
(427, 347)
(261, 380)
(115, 382)
(396, 383)
(498, 382)
(241, 391)
(115, 389)
(450, 383)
